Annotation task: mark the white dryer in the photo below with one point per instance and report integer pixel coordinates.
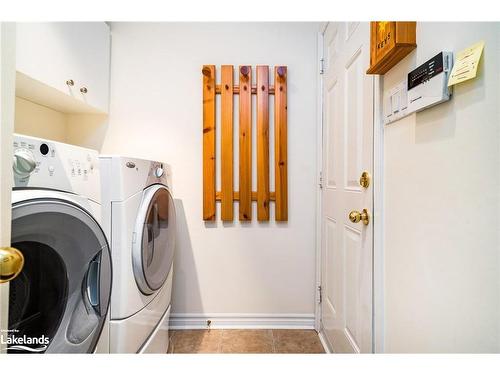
(139, 218)
(63, 291)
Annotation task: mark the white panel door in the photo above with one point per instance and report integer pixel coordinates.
(7, 77)
(347, 151)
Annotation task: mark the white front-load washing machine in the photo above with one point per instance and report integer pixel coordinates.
(59, 302)
(139, 218)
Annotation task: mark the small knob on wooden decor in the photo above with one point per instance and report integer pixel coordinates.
(244, 70)
(281, 71)
(84, 90)
(70, 82)
(206, 71)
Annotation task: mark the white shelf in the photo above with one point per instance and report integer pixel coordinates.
(40, 93)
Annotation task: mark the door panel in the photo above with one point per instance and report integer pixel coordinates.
(348, 146)
(7, 84)
(332, 137)
(352, 241)
(353, 124)
(333, 259)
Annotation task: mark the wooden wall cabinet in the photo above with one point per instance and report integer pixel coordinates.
(390, 42)
(64, 65)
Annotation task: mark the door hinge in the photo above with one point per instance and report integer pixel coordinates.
(320, 294)
(321, 180)
(321, 66)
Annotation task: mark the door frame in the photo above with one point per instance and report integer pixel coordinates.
(7, 100)
(378, 204)
(319, 164)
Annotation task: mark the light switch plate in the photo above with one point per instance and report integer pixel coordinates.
(396, 102)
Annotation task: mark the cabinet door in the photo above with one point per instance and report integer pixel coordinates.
(90, 59)
(56, 52)
(42, 51)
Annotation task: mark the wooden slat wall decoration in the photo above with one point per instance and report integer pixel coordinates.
(245, 122)
(280, 144)
(236, 89)
(227, 196)
(208, 142)
(227, 143)
(262, 142)
(236, 195)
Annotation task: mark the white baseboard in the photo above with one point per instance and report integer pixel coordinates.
(242, 321)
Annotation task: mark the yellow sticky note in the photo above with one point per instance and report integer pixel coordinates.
(466, 63)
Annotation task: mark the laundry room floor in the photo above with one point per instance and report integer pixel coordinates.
(245, 341)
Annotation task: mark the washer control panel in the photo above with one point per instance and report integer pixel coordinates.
(47, 164)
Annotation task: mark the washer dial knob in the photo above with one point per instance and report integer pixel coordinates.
(24, 162)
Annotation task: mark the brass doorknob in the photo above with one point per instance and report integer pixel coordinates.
(356, 216)
(11, 263)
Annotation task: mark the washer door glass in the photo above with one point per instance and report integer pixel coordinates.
(153, 249)
(59, 301)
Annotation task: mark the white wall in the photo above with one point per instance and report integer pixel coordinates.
(156, 113)
(442, 206)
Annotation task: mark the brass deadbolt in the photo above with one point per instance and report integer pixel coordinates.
(365, 179)
(11, 263)
(356, 216)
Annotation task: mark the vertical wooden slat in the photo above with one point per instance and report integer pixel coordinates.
(208, 142)
(245, 123)
(263, 142)
(227, 210)
(280, 143)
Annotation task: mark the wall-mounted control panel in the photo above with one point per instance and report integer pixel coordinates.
(428, 84)
(424, 87)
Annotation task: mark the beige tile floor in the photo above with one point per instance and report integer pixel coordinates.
(245, 341)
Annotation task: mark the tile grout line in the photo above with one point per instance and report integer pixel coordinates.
(171, 343)
(219, 346)
(273, 342)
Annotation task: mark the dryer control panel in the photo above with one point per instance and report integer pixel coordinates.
(122, 176)
(40, 163)
(159, 173)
